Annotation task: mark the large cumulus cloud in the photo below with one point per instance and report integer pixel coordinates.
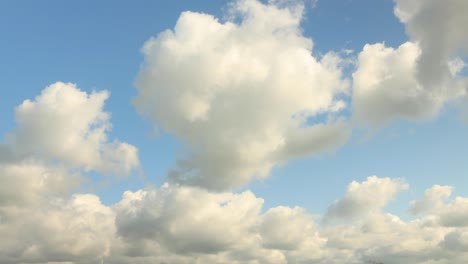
(241, 93)
(416, 79)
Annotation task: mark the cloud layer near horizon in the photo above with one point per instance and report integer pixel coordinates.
(176, 224)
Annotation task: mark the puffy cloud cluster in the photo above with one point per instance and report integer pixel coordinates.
(66, 124)
(214, 227)
(438, 28)
(414, 80)
(385, 86)
(242, 94)
(364, 198)
(177, 224)
(433, 199)
(59, 135)
(75, 230)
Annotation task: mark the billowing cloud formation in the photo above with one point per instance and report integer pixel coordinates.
(45, 223)
(76, 230)
(66, 124)
(414, 80)
(364, 198)
(241, 94)
(438, 28)
(25, 182)
(385, 86)
(59, 135)
(176, 224)
(433, 199)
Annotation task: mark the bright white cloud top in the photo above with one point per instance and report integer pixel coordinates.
(244, 95)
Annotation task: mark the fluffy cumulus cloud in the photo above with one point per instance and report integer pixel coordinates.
(66, 124)
(180, 224)
(242, 94)
(385, 86)
(24, 183)
(74, 230)
(433, 199)
(60, 135)
(364, 198)
(414, 80)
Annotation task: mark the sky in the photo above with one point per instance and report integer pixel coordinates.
(240, 131)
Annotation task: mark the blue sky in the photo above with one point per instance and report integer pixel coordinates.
(98, 46)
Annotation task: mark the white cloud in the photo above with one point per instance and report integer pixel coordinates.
(364, 198)
(176, 224)
(25, 182)
(433, 199)
(456, 66)
(438, 28)
(385, 86)
(66, 124)
(241, 94)
(188, 220)
(455, 213)
(58, 134)
(153, 218)
(293, 231)
(78, 230)
(415, 80)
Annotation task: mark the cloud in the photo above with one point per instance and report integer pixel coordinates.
(455, 214)
(78, 230)
(364, 198)
(433, 199)
(60, 134)
(385, 86)
(25, 182)
(172, 217)
(456, 241)
(68, 125)
(416, 79)
(215, 227)
(244, 95)
(181, 224)
(437, 27)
